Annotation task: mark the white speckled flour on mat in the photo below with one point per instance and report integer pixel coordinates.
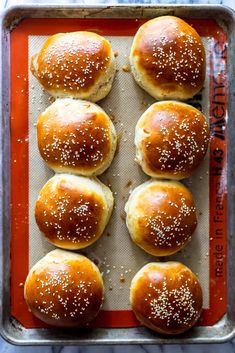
(117, 256)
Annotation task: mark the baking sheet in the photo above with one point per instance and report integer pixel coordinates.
(116, 255)
(15, 319)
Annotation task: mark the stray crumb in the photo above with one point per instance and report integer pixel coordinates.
(144, 103)
(108, 234)
(110, 288)
(122, 280)
(112, 117)
(129, 183)
(123, 217)
(116, 54)
(126, 68)
(200, 213)
(21, 284)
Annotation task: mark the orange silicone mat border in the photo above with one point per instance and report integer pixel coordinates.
(20, 165)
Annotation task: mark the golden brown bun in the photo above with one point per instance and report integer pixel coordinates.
(171, 140)
(161, 216)
(72, 212)
(78, 64)
(166, 297)
(168, 59)
(64, 289)
(76, 136)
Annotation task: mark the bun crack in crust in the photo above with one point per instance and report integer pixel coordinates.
(76, 136)
(166, 297)
(78, 64)
(72, 212)
(171, 140)
(161, 216)
(168, 59)
(64, 289)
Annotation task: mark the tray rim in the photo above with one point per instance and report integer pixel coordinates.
(11, 330)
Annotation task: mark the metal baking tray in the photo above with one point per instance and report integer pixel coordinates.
(11, 329)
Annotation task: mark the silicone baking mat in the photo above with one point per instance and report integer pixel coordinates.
(116, 255)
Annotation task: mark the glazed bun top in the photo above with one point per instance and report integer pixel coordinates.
(76, 136)
(73, 211)
(166, 297)
(171, 140)
(161, 216)
(64, 289)
(168, 58)
(77, 64)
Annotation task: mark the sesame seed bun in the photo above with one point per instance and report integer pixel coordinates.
(64, 289)
(161, 216)
(76, 136)
(168, 59)
(73, 211)
(171, 140)
(78, 65)
(166, 297)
